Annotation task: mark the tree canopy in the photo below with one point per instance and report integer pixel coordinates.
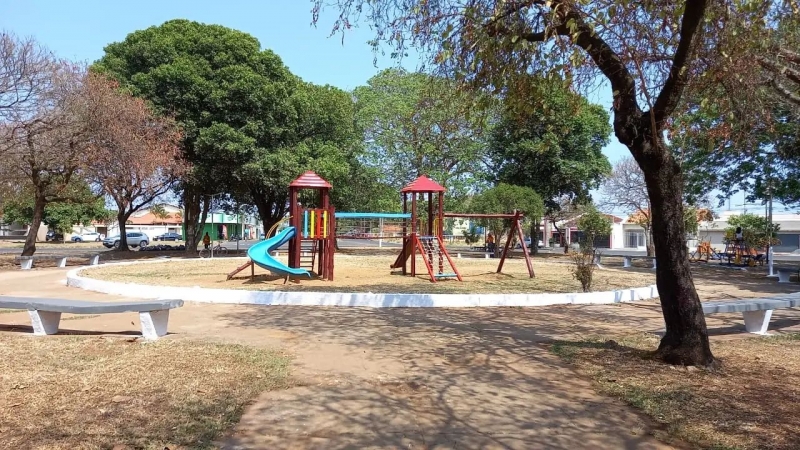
(555, 148)
(250, 125)
(419, 124)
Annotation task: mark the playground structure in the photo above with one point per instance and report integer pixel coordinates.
(310, 237)
(312, 233)
(426, 233)
(515, 228)
(429, 244)
(739, 253)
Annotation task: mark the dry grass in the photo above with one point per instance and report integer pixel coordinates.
(751, 402)
(90, 392)
(372, 274)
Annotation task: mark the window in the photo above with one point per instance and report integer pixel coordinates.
(634, 239)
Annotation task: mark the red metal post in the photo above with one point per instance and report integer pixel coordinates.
(508, 241)
(405, 234)
(413, 234)
(295, 221)
(528, 261)
(441, 214)
(430, 214)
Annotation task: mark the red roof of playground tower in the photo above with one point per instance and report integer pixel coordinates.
(423, 184)
(310, 180)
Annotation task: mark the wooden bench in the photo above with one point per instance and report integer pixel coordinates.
(756, 311)
(26, 262)
(46, 313)
(785, 273)
(626, 259)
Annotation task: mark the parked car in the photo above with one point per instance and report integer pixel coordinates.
(52, 236)
(87, 237)
(170, 236)
(135, 239)
(528, 242)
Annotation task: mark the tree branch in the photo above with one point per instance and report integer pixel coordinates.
(788, 94)
(671, 92)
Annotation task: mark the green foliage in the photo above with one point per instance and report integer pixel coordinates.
(755, 230)
(690, 220)
(593, 223)
(471, 235)
(504, 199)
(583, 267)
(84, 207)
(766, 163)
(555, 147)
(418, 124)
(250, 125)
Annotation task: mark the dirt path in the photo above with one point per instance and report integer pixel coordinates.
(414, 378)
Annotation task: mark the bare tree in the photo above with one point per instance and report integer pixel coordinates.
(626, 190)
(137, 157)
(24, 77)
(25, 67)
(46, 144)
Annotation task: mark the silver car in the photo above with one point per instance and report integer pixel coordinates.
(135, 239)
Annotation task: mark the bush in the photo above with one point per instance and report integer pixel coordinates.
(583, 270)
(471, 236)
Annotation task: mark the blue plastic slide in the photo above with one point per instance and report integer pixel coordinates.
(259, 253)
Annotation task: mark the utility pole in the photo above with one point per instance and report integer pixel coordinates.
(769, 217)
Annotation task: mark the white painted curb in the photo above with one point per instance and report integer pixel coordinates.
(364, 299)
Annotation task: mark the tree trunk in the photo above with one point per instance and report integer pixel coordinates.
(686, 338)
(122, 218)
(195, 216)
(39, 203)
(534, 250)
(648, 240)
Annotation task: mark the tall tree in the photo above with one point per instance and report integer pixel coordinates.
(553, 149)
(418, 124)
(647, 53)
(228, 95)
(321, 136)
(625, 189)
(49, 146)
(136, 155)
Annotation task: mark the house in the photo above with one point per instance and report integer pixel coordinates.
(568, 231)
(220, 225)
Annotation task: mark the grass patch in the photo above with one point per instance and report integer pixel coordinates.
(88, 392)
(750, 402)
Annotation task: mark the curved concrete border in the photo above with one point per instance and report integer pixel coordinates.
(365, 299)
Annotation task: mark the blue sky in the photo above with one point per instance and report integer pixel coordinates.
(80, 29)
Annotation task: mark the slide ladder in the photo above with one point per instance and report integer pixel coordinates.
(434, 255)
(308, 254)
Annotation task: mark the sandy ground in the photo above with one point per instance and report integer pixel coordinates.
(372, 274)
(422, 378)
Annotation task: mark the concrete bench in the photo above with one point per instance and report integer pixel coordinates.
(756, 311)
(785, 273)
(26, 262)
(626, 259)
(46, 313)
